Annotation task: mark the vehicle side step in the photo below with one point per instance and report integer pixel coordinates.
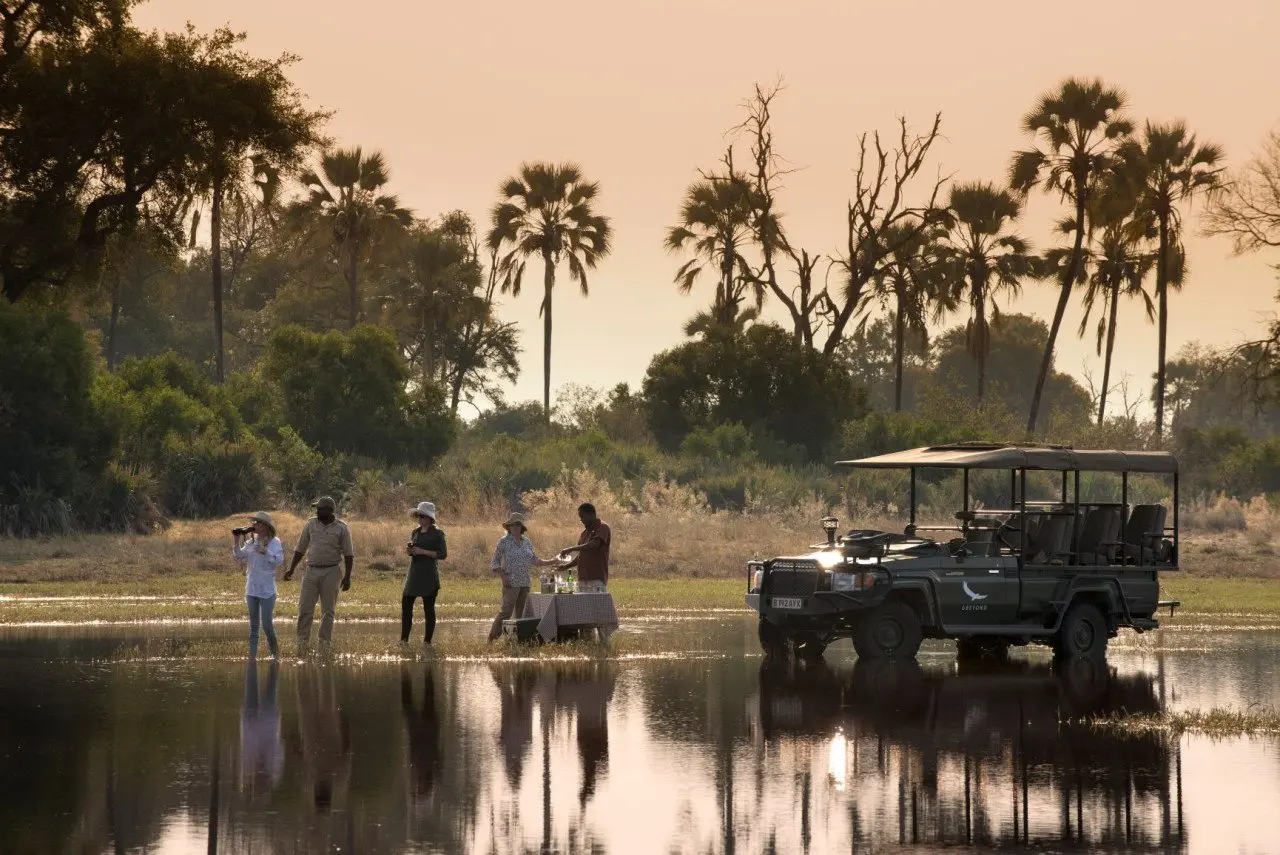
(1169, 604)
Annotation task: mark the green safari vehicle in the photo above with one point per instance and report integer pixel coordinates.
(1062, 571)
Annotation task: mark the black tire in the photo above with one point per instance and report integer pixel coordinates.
(773, 640)
(891, 631)
(1083, 633)
(982, 649)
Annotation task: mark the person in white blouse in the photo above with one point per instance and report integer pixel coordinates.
(513, 558)
(260, 551)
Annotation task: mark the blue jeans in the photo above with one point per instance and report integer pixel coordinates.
(262, 606)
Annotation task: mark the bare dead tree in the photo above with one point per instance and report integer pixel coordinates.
(880, 207)
(1247, 206)
(801, 297)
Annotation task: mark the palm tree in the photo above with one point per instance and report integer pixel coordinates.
(909, 282)
(347, 210)
(548, 211)
(984, 260)
(1168, 167)
(1121, 263)
(716, 223)
(1078, 126)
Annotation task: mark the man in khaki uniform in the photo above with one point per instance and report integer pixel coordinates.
(326, 543)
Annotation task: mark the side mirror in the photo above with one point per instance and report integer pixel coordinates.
(829, 525)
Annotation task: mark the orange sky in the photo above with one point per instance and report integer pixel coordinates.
(458, 94)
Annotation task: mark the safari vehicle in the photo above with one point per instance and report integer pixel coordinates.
(1064, 572)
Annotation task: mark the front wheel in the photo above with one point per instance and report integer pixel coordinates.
(773, 641)
(890, 631)
(1083, 633)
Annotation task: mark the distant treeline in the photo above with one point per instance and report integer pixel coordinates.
(208, 306)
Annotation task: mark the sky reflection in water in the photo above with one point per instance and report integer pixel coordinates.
(711, 755)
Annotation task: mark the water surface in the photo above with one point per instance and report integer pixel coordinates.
(719, 753)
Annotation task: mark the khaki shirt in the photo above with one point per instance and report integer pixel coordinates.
(325, 545)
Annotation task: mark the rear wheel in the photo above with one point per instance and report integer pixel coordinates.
(890, 631)
(1083, 633)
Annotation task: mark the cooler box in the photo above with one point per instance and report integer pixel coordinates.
(522, 629)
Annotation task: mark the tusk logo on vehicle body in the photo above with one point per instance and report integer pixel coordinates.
(973, 595)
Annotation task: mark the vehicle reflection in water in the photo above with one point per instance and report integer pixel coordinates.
(696, 755)
(985, 755)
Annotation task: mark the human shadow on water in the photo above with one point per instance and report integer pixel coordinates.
(995, 753)
(422, 727)
(261, 745)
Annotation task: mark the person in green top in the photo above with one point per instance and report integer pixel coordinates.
(427, 546)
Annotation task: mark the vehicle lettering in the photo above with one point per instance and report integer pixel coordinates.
(973, 608)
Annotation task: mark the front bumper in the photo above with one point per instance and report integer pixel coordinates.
(819, 603)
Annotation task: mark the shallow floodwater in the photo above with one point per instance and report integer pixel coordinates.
(647, 754)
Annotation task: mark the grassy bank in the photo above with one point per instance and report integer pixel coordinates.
(1214, 722)
(211, 596)
(660, 561)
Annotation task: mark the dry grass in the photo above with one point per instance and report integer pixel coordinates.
(661, 531)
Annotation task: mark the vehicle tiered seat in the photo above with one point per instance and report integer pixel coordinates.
(1143, 534)
(1098, 536)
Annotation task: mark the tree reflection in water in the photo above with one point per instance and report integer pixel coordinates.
(435, 756)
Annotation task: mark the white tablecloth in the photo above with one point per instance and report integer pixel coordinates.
(572, 610)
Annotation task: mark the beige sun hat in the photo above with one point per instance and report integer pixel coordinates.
(515, 519)
(264, 518)
(424, 509)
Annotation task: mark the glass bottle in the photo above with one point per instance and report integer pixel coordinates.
(573, 582)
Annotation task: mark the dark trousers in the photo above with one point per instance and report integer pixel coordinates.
(428, 612)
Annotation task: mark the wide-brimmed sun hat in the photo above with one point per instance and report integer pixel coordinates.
(264, 518)
(424, 509)
(325, 502)
(515, 519)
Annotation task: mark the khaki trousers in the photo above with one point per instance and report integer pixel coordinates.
(318, 583)
(512, 604)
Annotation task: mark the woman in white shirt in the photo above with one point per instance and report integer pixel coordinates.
(261, 554)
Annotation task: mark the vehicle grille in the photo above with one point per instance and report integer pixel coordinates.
(793, 578)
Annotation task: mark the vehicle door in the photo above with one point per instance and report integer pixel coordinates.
(978, 590)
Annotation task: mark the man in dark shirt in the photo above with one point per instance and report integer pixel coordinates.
(591, 555)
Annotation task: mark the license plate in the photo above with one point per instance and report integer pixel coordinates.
(788, 603)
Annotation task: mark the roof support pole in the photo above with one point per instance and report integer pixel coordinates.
(1124, 517)
(913, 496)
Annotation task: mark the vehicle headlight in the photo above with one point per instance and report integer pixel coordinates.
(856, 581)
(844, 581)
(828, 560)
(757, 580)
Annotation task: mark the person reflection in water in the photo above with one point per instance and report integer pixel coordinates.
(261, 748)
(423, 729)
(326, 737)
(588, 694)
(515, 734)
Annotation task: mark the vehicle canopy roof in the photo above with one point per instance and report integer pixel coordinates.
(986, 455)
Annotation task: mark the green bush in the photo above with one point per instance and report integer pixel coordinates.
(301, 473)
(209, 478)
(758, 378)
(52, 439)
(121, 499)
(347, 393)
